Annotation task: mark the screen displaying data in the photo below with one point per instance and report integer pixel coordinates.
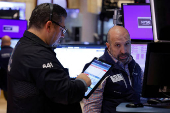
(74, 57)
(95, 72)
(138, 51)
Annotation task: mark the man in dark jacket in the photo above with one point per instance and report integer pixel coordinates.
(37, 81)
(124, 81)
(5, 54)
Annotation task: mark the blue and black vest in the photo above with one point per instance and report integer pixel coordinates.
(119, 86)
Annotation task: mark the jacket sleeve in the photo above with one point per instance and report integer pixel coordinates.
(50, 77)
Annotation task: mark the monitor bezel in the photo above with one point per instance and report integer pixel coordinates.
(123, 23)
(101, 79)
(156, 26)
(151, 91)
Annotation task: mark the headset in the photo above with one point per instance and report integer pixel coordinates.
(51, 11)
(51, 15)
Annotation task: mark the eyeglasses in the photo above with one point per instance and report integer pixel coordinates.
(51, 15)
(63, 29)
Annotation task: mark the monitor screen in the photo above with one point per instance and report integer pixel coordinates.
(96, 71)
(43, 1)
(21, 6)
(156, 75)
(137, 20)
(160, 11)
(12, 28)
(138, 51)
(74, 57)
(62, 3)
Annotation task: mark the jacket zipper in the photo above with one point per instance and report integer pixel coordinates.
(132, 73)
(124, 80)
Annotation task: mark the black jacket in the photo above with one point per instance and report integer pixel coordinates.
(5, 54)
(38, 83)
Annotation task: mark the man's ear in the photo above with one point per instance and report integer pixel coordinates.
(48, 26)
(108, 45)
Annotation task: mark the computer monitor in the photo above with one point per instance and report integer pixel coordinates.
(75, 56)
(21, 6)
(43, 1)
(156, 83)
(9, 14)
(13, 28)
(136, 19)
(14, 42)
(62, 3)
(138, 52)
(160, 12)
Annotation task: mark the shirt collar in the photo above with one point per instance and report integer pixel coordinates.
(35, 39)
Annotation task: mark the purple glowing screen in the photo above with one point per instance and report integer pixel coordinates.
(137, 20)
(12, 28)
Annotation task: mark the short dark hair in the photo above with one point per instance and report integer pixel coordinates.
(41, 14)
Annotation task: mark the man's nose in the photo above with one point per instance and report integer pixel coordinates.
(123, 49)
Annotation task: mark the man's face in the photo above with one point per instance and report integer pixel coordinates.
(57, 33)
(120, 46)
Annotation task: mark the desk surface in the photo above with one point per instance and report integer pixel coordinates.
(122, 108)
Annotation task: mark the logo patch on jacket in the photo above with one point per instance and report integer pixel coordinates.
(116, 78)
(48, 65)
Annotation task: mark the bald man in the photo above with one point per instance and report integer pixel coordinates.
(5, 54)
(6, 41)
(124, 81)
